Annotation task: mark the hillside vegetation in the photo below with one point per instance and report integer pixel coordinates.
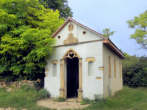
(135, 71)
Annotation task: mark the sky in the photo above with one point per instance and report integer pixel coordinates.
(113, 14)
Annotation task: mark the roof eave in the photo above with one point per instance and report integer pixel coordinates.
(111, 45)
(60, 28)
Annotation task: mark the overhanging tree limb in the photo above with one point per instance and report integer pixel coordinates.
(140, 26)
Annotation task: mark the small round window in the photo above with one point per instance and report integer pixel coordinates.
(84, 32)
(59, 37)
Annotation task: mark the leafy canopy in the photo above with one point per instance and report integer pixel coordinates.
(61, 5)
(140, 26)
(135, 71)
(25, 36)
(107, 33)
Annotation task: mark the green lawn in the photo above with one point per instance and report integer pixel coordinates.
(127, 99)
(25, 97)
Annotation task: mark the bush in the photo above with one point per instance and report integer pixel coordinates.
(135, 71)
(39, 85)
(60, 99)
(43, 93)
(85, 101)
(26, 87)
(97, 99)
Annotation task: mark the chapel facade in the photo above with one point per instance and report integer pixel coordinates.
(84, 64)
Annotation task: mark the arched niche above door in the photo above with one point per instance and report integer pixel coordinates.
(71, 53)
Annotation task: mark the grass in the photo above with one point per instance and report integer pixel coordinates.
(127, 99)
(25, 97)
(60, 99)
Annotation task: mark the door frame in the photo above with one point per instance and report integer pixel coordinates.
(69, 54)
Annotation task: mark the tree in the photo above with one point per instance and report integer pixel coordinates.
(61, 5)
(107, 33)
(140, 26)
(135, 71)
(25, 37)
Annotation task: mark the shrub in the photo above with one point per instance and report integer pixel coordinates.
(26, 87)
(60, 99)
(43, 93)
(97, 99)
(39, 85)
(85, 101)
(135, 71)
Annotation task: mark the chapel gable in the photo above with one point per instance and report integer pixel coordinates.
(72, 32)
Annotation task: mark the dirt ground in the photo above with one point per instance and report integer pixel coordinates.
(50, 103)
(69, 104)
(10, 108)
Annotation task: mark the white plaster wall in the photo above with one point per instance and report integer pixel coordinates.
(52, 83)
(77, 32)
(114, 83)
(90, 85)
(89, 36)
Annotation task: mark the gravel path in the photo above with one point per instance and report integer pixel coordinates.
(69, 104)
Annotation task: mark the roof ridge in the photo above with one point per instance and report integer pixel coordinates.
(71, 19)
(87, 27)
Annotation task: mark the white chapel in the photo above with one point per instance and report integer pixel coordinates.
(84, 64)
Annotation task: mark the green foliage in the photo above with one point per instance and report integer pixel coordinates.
(140, 26)
(43, 93)
(61, 5)
(135, 71)
(3, 90)
(60, 99)
(25, 97)
(25, 87)
(107, 33)
(85, 101)
(127, 99)
(39, 85)
(25, 37)
(97, 99)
